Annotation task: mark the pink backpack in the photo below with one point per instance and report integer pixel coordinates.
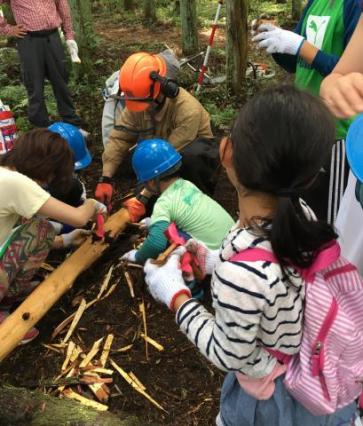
(327, 373)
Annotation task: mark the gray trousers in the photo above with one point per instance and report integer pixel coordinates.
(42, 56)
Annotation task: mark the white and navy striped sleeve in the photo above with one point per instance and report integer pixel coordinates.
(229, 338)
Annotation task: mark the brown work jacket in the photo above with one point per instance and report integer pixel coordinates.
(180, 121)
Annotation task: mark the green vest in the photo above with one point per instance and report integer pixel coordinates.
(324, 28)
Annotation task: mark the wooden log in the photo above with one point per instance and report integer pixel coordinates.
(38, 303)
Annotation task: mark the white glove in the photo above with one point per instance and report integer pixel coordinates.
(130, 256)
(207, 258)
(277, 40)
(100, 208)
(73, 51)
(145, 223)
(75, 238)
(165, 283)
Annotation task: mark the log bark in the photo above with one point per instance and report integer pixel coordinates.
(237, 46)
(37, 304)
(19, 406)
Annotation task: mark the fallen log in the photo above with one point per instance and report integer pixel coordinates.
(22, 407)
(37, 304)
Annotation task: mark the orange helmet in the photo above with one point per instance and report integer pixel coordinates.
(138, 88)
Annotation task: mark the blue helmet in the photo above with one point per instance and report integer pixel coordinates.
(75, 141)
(153, 158)
(354, 147)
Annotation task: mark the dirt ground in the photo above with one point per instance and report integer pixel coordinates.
(180, 379)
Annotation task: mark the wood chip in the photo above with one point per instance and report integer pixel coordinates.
(137, 381)
(70, 349)
(132, 382)
(105, 283)
(124, 348)
(143, 314)
(69, 393)
(106, 349)
(110, 291)
(129, 283)
(99, 370)
(52, 348)
(47, 267)
(92, 353)
(77, 317)
(152, 342)
(134, 265)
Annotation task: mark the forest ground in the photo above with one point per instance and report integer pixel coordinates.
(179, 378)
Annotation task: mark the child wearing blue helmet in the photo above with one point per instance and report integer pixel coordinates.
(157, 165)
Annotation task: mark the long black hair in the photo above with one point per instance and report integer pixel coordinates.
(281, 139)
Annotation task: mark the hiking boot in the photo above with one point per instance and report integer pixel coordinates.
(29, 336)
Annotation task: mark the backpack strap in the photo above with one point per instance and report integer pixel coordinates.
(254, 255)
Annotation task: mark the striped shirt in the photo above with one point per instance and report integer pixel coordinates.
(255, 307)
(38, 15)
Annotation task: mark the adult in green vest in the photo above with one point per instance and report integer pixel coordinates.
(311, 52)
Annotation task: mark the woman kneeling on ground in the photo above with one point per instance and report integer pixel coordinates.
(39, 158)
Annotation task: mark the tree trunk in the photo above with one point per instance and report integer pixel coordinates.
(85, 35)
(129, 5)
(296, 10)
(20, 406)
(149, 11)
(189, 26)
(237, 28)
(176, 7)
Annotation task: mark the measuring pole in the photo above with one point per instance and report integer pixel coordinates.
(209, 48)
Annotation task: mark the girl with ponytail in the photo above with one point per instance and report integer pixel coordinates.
(277, 146)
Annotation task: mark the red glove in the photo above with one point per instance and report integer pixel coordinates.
(104, 190)
(135, 208)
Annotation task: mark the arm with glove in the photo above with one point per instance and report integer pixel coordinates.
(287, 46)
(121, 139)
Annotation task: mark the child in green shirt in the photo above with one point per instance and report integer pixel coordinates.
(157, 164)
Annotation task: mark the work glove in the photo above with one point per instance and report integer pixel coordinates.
(130, 256)
(135, 208)
(104, 190)
(206, 258)
(75, 238)
(73, 51)
(145, 223)
(277, 40)
(165, 283)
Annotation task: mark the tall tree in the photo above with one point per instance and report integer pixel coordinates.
(189, 26)
(83, 27)
(237, 28)
(149, 11)
(296, 9)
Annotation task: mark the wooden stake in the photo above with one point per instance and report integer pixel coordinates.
(105, 283)
(91, 354)
(163, 257)
(106, 349)
(152, 342)
(143, 314)
(69, 393)
(70, 350)
(129, 283)
(37, 304)
(81, 308)
(132, 382)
